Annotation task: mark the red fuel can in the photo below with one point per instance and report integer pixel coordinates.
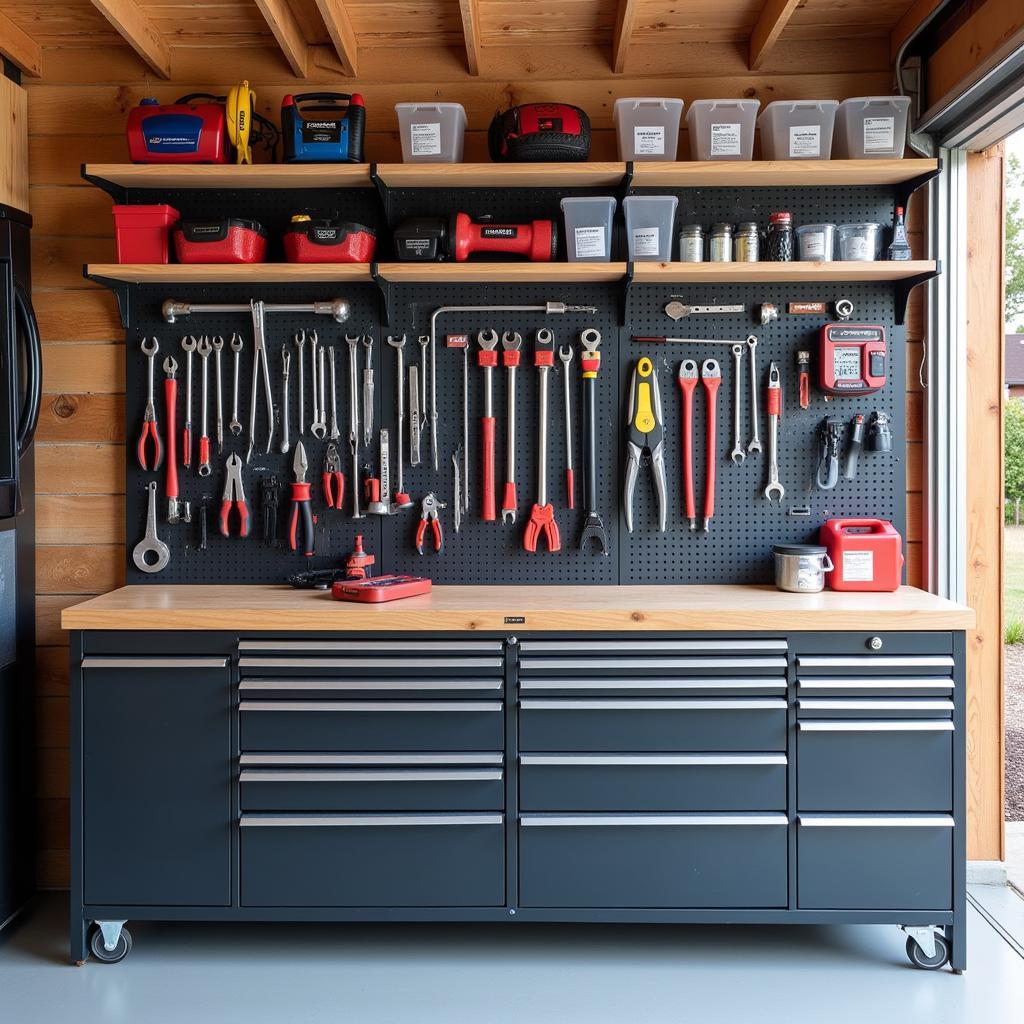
(867, 554)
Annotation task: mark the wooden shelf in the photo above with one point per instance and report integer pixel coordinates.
(248, 176)
(729, 273)
(553, 175)
(229, 273)
(760, 173)
(513, 273)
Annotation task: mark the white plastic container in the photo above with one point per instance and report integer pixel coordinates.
(649, 227)
(722, 129)
(870, 127)
(859, 242)
(797, 130)
(816, 242)
(588, 228)
(648, 127)
(431, 132)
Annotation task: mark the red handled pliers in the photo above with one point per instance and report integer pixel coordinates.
(429, 515)
(333, 479)
(234, 495)
(149, 433)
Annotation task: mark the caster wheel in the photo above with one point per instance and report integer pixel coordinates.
(110, 956)
(933, 963)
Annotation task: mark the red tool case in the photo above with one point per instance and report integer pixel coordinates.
(328, 241)
(141, 233)
(380, 589)
(220, 241)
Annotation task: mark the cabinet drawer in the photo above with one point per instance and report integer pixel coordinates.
(875, 862)
(687, 860)
(710, 664)
(360, 687)
(652, 782)
(372, 860)
(371, 725)
(657, 725)
(875, 766)
(874, 707)
(372, 789)
(664, 686)
(875, 686)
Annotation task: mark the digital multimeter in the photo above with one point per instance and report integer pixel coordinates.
(852, 359)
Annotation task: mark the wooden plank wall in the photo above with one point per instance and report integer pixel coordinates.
(76, 114)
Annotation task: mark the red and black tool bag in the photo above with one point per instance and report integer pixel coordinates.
(539, 132)
(328, 241)
(220, 241)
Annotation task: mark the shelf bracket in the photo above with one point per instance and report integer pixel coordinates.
(624, 293)
(121, 290)
(906, 286)
(385, 290)
(116, 192)
(627, 182)
(905, 189)
(383, 194)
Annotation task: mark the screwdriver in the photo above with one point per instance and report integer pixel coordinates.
(302, 507)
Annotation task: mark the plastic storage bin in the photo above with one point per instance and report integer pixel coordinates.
(142, 233)
(798, 130)
(722, 129)
(649, 223)
(648, 127)
(871, 127)
(816, 242)
(431, 132)
(588, 228)
(859, 241)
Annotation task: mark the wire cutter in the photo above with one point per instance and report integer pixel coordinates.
(333, 479)
(645, 434)
(234, 495)
(428, 514)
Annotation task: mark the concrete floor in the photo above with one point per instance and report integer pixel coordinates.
(422, 974)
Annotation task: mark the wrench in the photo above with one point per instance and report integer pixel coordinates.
(424, 341)
(565, 354)
(260, 363)
(487, 358)
(300, 346)
(755, 440)
(204, 348)
(151, 543)
(218, 347)
(415, 419)
(738, 454)
(774, 405)
(318, 425)
(402, 500)
(188, 346)
(511, 342)
(235, 426)
(368, 392)
(335, 432)
(321, 379)
(286, 366)
(353, 418)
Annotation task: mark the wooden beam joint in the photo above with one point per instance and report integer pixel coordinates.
(136, 28)
(470, 11)
(20, 48)
(339, 28)
(774, 17)
(624, 22)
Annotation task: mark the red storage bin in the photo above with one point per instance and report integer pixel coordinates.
(220, 241)
(141, 233)
(328, 241)
(867, 554)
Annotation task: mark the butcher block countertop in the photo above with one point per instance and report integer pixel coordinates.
(516, 609)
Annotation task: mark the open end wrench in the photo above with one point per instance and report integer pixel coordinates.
(300, 348)
(590, 365)
(188, 346)
(204, 348)
(286, 367)
(755, 440)
(738, 453)
(565, 354)
(773, 402)
(235, 426)
(218, 348)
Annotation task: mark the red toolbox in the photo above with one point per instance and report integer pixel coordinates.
(220, 241)
(867, 554)
(141, 233)
(310, 240)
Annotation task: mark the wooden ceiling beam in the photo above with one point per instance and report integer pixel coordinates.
(624, 21)
(278, 16)
(470, 10)
(135, 27)
(773, 19)
(20, 48)
(339, 28)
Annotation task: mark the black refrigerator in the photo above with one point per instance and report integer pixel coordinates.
(20, 391)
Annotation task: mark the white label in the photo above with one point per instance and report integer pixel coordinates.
(590, 242)
(879, 134)
(645, 242)
(649, 140)
(858, 566)
(425, 139)
(805, 140)
(858, 247)
(725, 140)
(812, 245)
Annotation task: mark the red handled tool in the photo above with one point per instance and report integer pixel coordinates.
(333, 479)
(234, 496)
(150, 347)
(565, 354)
(711, 378)
(487, 358)
(428, 514)
(803, 369)
(542, 515)
(302, 506)
(687, 380)
(511, 342)
(188, 346)
(174, 508)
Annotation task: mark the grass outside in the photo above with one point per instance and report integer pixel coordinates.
(1013, 582)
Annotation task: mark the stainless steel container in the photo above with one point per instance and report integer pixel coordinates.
(746, 243)
(720, 246)
(691, 243)
(801, 568)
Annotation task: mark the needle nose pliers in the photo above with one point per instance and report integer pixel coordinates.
(645, 434)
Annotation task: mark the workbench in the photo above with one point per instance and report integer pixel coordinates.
(606, 754)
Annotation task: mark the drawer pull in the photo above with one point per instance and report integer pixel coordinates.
(413, 646)
(633, 820)
(870, 661)
(631, 664)
(184, 662)
(860, 685)
(284, 760)
(645, 646)
(888, 704)
(875, 821)
(657, 704)
(357, 775)
(411, 661)
(893, 725)
(364, 820)
(565, 760)
(384, 685)
(380, 707)
(655, 683)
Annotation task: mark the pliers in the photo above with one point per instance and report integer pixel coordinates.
(333, 479)
(234, 495)
(645, 434)
(428, 514)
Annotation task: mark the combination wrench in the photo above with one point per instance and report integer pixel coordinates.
(565, 355)
(402, 500)
(204, 348)
(368, 391)
(286, 366)
(188, 346)
(335, 432)
(353, 418)
(235, 426)
(738, 453)
(300, 348)
(318, 425)
(218, 348)
(511, 343)
(774, 405)
(755, 440)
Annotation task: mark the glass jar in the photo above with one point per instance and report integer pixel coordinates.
(691, 243)
(746, 243)
(720, 245)
(779, 243)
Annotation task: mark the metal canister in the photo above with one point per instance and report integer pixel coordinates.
(691, 244)
(801, 568)
(720, 245)
(746, 246)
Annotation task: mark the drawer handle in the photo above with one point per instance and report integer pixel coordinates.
(634, 820)
(646, 646)
(874, 661)
(381, 707)
(887, 704)
(876, 821)
(287, 760)
(343, 685)
(413, 662)
(355, 775)
(155, 662)
(623, 664)
(895, 725)
(587, 760)
(859, 685)
(413, 646)
(656, 683)
(640, 704)
(364, 820)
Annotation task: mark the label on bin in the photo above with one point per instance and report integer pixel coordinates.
(425, 139)
(858, 566)
(879, 134)
(645, 242)
(649, 140)
(725, 140)
(805, 140)
(589, 242)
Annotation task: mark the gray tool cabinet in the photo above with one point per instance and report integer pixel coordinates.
(663, 777)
